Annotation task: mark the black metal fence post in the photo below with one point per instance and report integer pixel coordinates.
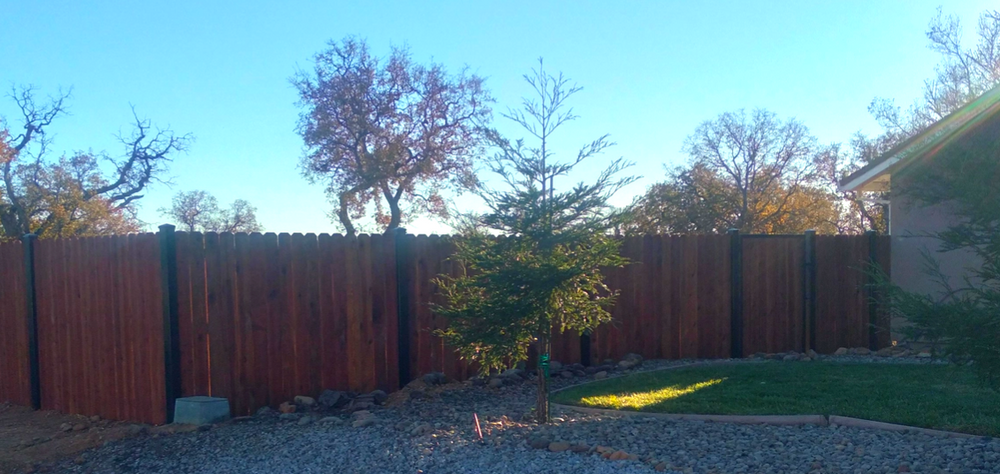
(402, 307)
(736, 293)
(809, 292)
(32, 314)
(171, 329)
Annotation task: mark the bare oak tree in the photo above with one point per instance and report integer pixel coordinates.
(961, 75)
(83, 193)
(199, 211)
(765, 162)
(379, 130)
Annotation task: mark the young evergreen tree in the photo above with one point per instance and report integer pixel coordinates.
(533, 260)
(963, 317)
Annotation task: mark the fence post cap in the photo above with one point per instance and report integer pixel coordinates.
(167, 227)
(811, 231)
(29, 236)
(733, 230)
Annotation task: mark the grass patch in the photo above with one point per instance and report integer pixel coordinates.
(929, 396)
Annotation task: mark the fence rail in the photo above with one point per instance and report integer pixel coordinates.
(126, 323)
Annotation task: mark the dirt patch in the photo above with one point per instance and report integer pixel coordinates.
(31, 441)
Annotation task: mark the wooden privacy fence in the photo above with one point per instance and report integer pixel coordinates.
(120, 326)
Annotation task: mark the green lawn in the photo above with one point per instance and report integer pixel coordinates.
(930, 396)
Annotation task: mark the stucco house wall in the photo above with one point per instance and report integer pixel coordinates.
(971, 132)
(912, 229)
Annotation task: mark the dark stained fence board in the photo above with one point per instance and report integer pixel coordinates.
(841, 303)
(673, 300)
(100, 327)
(15, 381)
(772, 293)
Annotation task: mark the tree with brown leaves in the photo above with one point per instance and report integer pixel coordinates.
(387, 131)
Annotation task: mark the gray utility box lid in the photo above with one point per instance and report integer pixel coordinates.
(201, 410)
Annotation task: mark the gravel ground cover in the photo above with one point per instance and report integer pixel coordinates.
(433, 432)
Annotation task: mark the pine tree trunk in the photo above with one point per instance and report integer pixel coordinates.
(542, 404)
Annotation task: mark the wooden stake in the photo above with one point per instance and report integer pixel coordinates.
(479, 431)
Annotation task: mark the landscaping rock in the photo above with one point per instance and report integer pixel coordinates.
(840, 351)
(65, 427)
(330, 420)
(558, 446)
(136, 430)
(265, 411)
(925, 354)
(79, 427)
(421, 429)
(539, 443)
(555, 366)
(861, 351)
(513, 374)
(626, 364)
(286, 408)
(305, 420)
(363, 402)
(288, 416)
(601, 375)
(331, 399)
(364, 422)
(790, 357)
(435, 378)
(495, 382)
(379, 396)
(302, 400)
(579, 448)
(812, 354)
(636, 359)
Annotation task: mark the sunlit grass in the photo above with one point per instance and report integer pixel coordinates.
(640, 400)
(930, 396)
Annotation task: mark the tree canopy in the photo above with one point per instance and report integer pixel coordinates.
(747, 170)
(388, 131)
(81, 193)
(199, 211)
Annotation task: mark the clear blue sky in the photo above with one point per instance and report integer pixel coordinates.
(651, 71)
